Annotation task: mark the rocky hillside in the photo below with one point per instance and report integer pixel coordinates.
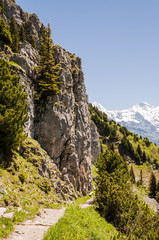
(61, 123)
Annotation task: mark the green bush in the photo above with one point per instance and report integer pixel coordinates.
(45, 185)
(5, 34)
(22, 177)
(13, 109)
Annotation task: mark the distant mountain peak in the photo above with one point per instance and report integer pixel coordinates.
(141, 118)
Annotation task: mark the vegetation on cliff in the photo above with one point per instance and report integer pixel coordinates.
(5, 34)
(47, 84)
(13, 109)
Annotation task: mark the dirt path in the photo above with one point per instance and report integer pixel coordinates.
(35, 229)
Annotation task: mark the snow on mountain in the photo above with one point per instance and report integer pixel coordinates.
(142, 119)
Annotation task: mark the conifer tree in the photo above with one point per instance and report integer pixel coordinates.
(32, 41)
(13, 109)
(157, 186)
(144, 156)
(48, 73)
(139, 150)
(101, 148)
(157, 192)
(141, 181)
(5, 34)
(152, 185)
(2, 7)
(132, 175)
(15, 35)
(22, 35)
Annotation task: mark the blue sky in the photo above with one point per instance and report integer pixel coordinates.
(118, 41)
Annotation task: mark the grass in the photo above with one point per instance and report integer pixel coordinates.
(80, 224)
(15, 64)
(6, 226)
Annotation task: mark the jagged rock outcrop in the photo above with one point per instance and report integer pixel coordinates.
(31, 22)
(61, 123)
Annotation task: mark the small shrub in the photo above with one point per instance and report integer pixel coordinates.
(45, 185)
(22, 177)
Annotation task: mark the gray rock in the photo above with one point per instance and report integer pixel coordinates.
(2, 211)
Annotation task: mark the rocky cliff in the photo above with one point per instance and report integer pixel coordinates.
(61, 124)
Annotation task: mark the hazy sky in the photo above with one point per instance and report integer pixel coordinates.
(118, 41)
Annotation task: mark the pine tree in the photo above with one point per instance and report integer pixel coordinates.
(48, 73)
(157, 187)
(22, 33)
(101, 148)
(13, 109)
(141, 181)
(32, 41)
(132, 175)
(2, 7)
(157, 192)
(15, 35)
(139, 150)
(5, 34)
(152, 185)
(144, 156)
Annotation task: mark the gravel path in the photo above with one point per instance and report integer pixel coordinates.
(35, 229)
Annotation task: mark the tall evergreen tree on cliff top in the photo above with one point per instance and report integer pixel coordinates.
(13, 109)
(48, 73)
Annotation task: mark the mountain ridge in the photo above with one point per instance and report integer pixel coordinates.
(141, 118)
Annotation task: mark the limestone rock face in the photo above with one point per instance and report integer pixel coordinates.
(63, 124)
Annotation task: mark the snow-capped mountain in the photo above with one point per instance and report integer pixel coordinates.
(142, 119)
